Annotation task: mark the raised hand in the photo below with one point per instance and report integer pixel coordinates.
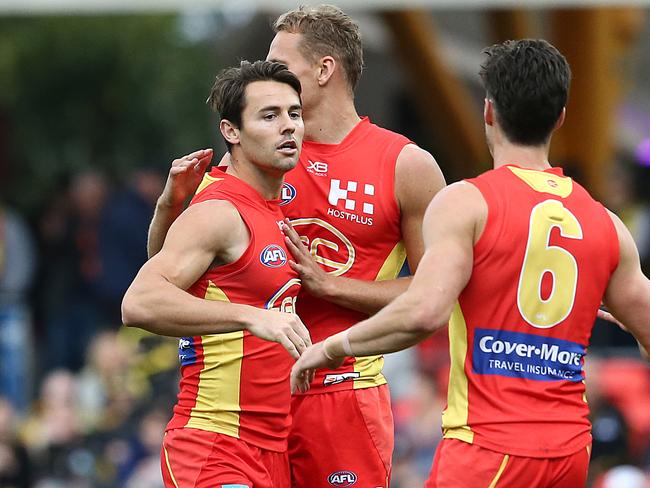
(314, 280)
(184, 177)
(282, 327)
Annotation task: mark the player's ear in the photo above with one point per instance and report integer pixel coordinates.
(488, 112)
(229, 131)
(326, 67)
(560, 119)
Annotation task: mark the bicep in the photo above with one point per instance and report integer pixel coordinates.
(194, 240)
(628, 291)
(417, 180)
(447, 263)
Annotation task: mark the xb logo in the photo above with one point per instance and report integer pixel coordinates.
(317, 167)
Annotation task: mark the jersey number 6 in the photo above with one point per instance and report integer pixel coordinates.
(542, 258)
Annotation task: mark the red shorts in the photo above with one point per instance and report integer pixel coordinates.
(458, 464)
(341, 438)
(201, 459)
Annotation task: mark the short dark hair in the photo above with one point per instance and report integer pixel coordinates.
(227, 96)
(326, 30)
(528, 82)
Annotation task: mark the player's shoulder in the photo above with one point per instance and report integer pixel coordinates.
(211, 185)
(460, 194)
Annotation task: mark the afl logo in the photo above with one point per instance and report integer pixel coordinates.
(287, 194)
(342, 478)
(273, 256)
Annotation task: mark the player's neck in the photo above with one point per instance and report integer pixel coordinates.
(530, 157)
(268, 184)
(330, 122)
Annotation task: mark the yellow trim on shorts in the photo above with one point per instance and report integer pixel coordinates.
(169, 467)
(502, 468)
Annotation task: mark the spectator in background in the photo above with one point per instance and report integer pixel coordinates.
(71, 267)
(53, 431)
(609, 428)
(15, 468)
(17, 263)
(123, 236)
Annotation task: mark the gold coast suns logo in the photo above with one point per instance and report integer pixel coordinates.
(328, 245)
(284, 300)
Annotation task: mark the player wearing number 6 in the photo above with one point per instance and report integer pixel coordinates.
(520, 259)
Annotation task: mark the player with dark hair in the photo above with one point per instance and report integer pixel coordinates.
(520, 258)
(222, 283)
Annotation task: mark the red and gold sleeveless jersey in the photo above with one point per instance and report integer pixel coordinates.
(235, 383)
(341, 200)
(520, 330)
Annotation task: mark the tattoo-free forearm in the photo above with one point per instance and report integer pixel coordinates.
(163, 217)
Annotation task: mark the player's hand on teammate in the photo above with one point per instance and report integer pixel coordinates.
(314, 280)
(184, 177)
(313, 358)
(605, 315)
(284, 328)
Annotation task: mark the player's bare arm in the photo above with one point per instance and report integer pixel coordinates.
(207, 234)
(184, 177)
(628, 292)
(417, 179)
(427, 304)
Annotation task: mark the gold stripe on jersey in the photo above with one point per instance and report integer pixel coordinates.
(393, 264)
(205, 182)
(217, 402)
(545, 182)
(454, 418)
(369, 369)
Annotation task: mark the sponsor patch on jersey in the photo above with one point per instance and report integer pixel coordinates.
(530, 356)
(186, 351)
(287, 193)
(342, 478)
(335, 379)
(273, 256)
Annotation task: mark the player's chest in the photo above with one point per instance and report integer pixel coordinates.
(340, 191)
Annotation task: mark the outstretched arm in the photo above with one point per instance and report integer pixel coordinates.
(184, 177)
(157, 301)
(417, 179)
(628, 292)
(426, 306)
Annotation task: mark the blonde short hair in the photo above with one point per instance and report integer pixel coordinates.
(326, 30)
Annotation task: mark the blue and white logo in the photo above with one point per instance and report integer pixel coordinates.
(519, 355)
(342, 478)
(287, 194)
(273, 256)
(186, 351)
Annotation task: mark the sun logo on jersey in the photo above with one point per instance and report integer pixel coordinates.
(287, 194)
(273, 256)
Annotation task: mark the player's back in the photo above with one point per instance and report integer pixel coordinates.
(522, 325)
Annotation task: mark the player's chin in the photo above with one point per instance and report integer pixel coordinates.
(287, 162)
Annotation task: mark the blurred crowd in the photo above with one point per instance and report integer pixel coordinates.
(84, 401)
